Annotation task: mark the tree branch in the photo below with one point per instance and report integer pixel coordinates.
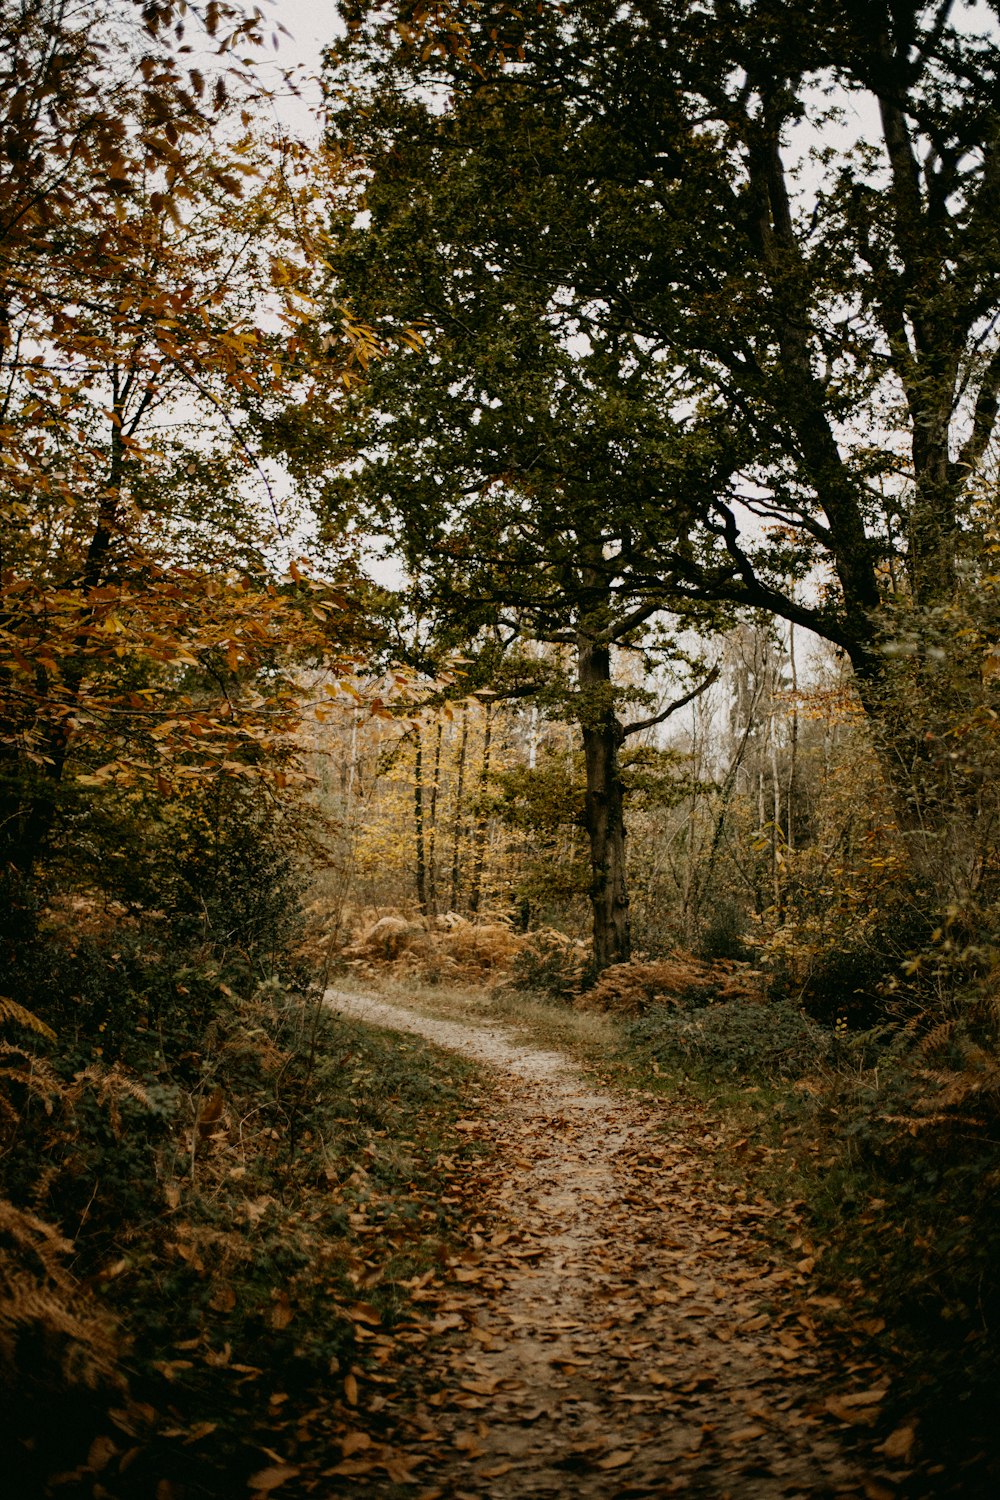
(672, 708)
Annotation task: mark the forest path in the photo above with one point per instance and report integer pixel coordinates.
(616, 1328)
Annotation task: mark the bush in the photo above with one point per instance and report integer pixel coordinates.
(550, 964)
(763, 1042)
(724, 932)
(230, 877)
(679, 979)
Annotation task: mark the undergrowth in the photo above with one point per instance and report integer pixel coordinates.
(889, 1146)
(216, 1196)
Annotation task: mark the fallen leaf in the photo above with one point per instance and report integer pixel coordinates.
(198, 1431)
(351, 1390)
(282, 1313)
(899, 1444)
(271, 1478)
(102, 1451)
(852, 1411)
(616, 1459)
(866, 1398)
(875, 1490)
(364, 1312)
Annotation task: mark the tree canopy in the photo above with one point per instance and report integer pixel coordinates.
(156, 256)
(791, 217)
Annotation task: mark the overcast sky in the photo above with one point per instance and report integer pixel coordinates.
(311, 25)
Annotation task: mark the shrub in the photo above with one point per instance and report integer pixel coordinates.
(550, 964)
(764, 1041)
(724, 931)
(629, 989)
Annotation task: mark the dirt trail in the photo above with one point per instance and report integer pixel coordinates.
(612, 1332)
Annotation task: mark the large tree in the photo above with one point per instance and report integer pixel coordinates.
(156, 257)
(519, 462)
(795, 214)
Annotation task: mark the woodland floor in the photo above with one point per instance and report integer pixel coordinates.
(618, 1325)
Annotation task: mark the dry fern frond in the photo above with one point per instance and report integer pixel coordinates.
(629, 989)
(51, 1340)
(937, 1037)
(10, 1010)
(111, 1085)
(479, 945)
(387, 939)
(24, 1073)
(914, 1124)
(955, 1088)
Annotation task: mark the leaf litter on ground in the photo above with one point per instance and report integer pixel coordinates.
(614, 1322)
(601, 1317)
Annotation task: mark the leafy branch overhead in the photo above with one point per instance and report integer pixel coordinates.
(800, 319)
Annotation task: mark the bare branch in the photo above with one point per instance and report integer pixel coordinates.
(672, 708)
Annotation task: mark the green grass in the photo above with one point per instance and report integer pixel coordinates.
(588, 1037)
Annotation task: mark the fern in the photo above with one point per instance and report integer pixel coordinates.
(111, 1085)
(52, 1337)
(21, 1016)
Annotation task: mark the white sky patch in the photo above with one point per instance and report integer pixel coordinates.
(311, 27)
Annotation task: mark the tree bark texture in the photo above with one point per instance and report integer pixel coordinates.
(604, 813)
(479, 846)
(420, 849)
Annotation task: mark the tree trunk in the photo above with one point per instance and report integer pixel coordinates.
(33, 821)
(418, 824)
(432, 832)
(604, 808)
(456, 847)
(479, 845)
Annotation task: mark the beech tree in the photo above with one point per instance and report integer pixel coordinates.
(156, 257)
(795, 216)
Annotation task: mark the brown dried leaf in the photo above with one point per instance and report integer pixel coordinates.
(847, 1411)
(616, 1459)
(282, 1313)
(745, 1434)
(899, 1444)
(102, 1451)
(271, 1478)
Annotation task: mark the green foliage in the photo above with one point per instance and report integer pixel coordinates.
(853, 972)
(734, 1040)
(544, 804)
(551, 965)
(724, 929)
(232, 875)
